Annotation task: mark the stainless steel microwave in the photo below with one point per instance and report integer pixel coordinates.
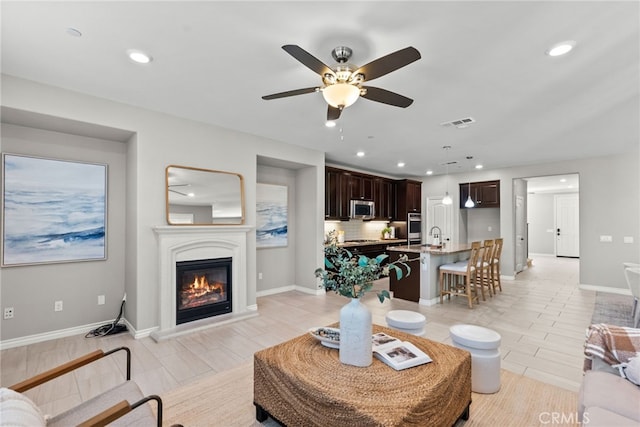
(362, 209)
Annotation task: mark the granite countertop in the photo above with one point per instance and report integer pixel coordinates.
(349, 244)
(449, 248)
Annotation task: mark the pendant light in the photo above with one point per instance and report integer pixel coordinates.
(447, 200)
(469, 203)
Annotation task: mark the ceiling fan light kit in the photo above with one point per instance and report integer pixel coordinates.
(341, 95)
(342, 84)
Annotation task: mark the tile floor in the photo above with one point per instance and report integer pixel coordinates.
(542, 317)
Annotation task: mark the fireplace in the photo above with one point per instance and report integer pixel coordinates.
(203, 289)
(177, 244)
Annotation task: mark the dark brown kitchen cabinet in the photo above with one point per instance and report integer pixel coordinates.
(360, 186)
(341, 186)
(407, 288)
(408, 198)
(393, 199)
(384, 198)
(336, 200)
(485, 194)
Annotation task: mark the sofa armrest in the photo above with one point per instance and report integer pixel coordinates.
(610, 343)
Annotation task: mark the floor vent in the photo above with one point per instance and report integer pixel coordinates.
(460, 123)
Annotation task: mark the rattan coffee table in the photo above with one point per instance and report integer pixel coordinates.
(302, 383)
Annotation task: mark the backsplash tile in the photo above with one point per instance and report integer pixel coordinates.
(356, 229)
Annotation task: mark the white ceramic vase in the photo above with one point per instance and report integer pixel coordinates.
(355, 334)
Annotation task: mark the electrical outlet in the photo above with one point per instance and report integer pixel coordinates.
(57, 306)
(100, 299)
(8, 312)
(606, 239)
(259, 276)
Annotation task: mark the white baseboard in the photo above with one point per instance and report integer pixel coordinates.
(274, 291)
(282, 289)
(619, 291)
(429, 302)
(46, 336)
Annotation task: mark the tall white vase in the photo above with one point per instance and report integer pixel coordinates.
(355, 334)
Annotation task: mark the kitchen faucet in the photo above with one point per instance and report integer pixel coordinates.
(436, 235)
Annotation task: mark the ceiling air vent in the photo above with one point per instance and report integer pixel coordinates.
(459, 123)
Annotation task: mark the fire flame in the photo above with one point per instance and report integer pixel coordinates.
(201, 286)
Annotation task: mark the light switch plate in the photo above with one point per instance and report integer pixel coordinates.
(606, 239)
(628, 239)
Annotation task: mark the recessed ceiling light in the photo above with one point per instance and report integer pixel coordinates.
(330, 123)
(429, 172)
(479, 166)
(74, 32)
(139, 57)
(561, 48)
(563, 180)
(360, 154)
(400, 164)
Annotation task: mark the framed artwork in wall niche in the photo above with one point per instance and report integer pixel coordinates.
(53, 210)
(271, 215)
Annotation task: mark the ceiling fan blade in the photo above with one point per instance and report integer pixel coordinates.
(386, 97)
(386, 64)
(308, 60)
(291, 93)
(333, 113)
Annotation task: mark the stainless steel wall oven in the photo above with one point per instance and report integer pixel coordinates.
(414, 228)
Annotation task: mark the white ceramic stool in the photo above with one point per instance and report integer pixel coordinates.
(483, 345)
(406, 321)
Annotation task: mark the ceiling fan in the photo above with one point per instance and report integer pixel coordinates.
(342, 85)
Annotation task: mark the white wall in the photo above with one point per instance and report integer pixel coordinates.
(482, 223)
(32, 289)
(609, 205)
(274, 263)
(161, 140)
(540, 216)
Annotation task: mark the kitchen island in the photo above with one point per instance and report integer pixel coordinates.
(421, 285)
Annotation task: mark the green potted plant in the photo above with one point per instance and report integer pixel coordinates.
(352, 276)
(386, 232)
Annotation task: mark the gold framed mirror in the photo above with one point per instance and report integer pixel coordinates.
(203, 196)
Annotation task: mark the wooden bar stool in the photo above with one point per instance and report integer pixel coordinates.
(495, 264)
(465, 270)
(484, 271)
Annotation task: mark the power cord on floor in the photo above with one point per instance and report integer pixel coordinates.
(111, 328)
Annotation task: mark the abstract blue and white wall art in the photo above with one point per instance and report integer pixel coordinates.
(53, 210)
(271, 215)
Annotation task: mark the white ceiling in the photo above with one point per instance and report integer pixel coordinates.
(214, 60)
(554, 184)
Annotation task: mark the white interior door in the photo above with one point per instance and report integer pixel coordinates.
(520, 213)
(567, 225)
(439, 214)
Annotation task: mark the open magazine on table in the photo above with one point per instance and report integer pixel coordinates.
(397, 354)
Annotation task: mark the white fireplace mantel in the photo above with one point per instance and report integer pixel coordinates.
(186, 243)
